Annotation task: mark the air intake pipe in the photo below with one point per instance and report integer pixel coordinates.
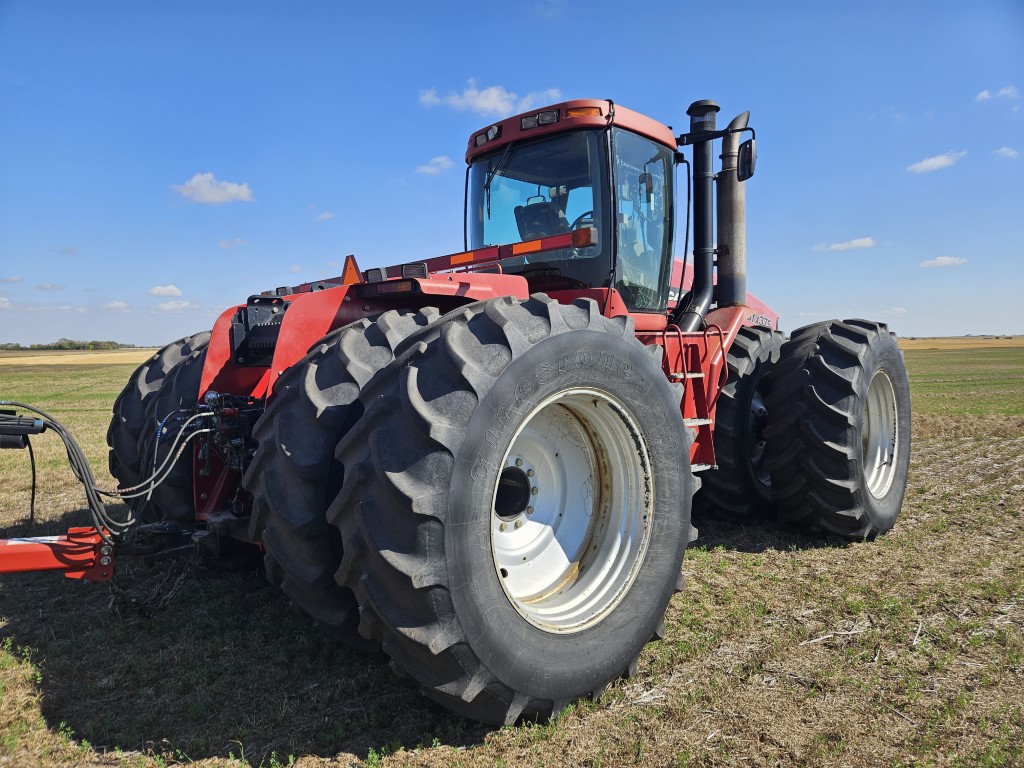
(732, 221)
(702, 135)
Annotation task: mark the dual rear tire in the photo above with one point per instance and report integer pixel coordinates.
(156, 390)
(839, 436)
(816, 430)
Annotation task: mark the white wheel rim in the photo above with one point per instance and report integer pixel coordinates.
(879, 435)
(572, 510)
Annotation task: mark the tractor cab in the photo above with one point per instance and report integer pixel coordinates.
(578, 165)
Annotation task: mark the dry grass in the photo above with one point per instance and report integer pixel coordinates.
(784, 649)
(962, 342)
(74, 356)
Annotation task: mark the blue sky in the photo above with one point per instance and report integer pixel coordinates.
(160, 162)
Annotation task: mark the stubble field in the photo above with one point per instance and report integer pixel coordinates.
(785, 648)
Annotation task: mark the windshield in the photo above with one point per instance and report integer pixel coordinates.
(544, 188)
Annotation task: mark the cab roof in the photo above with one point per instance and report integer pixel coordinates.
(566, 116)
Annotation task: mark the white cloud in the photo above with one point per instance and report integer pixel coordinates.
(10, 279)
(295, 269)
(935, 163)
(1006, 92)
(228, 244)
(848, 245)
(942, 261)
(895, 311)
(117, 306)
(325, 216)
(204, 188)
(176, 306)
(5, 303)
(165, 290)
(436, 165)
(1009, 152)
(492, 100)
(49, 287)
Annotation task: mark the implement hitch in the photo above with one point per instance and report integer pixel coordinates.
(87, 552)
(81, 554)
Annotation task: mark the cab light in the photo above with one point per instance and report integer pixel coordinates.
(583, 112)
(547, 117)
(415, 269)
(489, 135)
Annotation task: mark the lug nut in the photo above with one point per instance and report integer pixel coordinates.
(529, 473)
(503, 527)
(529, 510)
(519, 523)
(519, 462)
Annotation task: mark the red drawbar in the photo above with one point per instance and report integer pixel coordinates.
(81, 554)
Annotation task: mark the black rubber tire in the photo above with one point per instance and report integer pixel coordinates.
(172, 499)
(820, 429)
(741, 488)
(129, 417)
(415, 510)
(294, 474)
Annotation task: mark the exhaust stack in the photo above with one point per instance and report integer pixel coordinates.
(702, 130)
(732, 222)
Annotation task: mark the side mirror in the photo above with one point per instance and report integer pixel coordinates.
(747, 160)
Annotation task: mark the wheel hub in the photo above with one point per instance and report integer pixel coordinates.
(572, 510)
(879, 435)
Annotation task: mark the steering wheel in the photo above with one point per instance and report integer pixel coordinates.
(579, 220)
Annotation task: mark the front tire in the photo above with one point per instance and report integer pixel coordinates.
(497, 610)
(839, 440)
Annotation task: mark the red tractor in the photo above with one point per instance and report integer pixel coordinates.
(485, 463)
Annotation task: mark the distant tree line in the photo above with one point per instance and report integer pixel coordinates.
(63, 344)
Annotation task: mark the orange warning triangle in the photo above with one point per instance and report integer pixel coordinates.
(351, 275)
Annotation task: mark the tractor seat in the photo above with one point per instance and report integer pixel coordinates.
(540, 220)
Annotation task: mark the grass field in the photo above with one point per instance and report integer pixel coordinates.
(785, 649)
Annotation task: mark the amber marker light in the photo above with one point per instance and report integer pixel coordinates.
(583, 112)
(396, 286)
(581, 238)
